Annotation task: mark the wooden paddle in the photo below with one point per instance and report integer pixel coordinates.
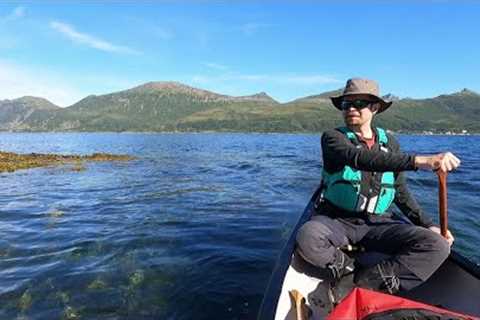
(442, 202)
(302, 312)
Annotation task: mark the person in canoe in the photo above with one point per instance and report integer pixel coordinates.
(363, 174)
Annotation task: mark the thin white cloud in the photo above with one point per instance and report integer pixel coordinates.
(284, 87)
(151, 28)
(251, 28)
(216, 66)
(17, 81)
(63, 90)
(17, 13)
(254, 77)
(304, 80)
(202, 38)
(89, 40)
(162, 33)
(8, 38)
(8, 42)
(310, 80)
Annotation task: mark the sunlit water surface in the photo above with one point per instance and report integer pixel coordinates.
(189, 230)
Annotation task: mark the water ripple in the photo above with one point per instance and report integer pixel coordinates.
(194, 224)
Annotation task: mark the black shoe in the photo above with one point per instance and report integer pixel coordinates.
(342, 288)
(336, 284)
(380, 277)
(329, 294)
(322, 298)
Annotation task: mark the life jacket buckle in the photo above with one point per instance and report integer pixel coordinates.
(318, 201)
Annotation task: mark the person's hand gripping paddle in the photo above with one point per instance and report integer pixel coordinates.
(441, 163)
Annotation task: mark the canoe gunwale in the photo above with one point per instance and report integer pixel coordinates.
(274, 288)
(466, 264)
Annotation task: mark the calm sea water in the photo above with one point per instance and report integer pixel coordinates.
(189, 230)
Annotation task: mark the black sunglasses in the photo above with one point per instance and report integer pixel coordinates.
(357, 104)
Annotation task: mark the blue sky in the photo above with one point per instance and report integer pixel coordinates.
(64, 51)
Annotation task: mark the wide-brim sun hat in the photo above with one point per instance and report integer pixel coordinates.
(361, 86)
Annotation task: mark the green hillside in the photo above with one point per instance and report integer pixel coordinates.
(25, 113)
(172, 106)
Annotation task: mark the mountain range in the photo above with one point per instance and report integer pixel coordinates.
(173, 107)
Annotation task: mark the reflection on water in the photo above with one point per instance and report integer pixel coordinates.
(190, 229)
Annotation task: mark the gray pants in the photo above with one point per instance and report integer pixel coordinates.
(415, 251)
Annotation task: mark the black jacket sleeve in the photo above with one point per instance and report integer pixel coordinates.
(338, 151)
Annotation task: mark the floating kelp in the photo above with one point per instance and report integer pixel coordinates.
(97, 284)
(62, 296)
(10, 161)
(56, 213)
(78, 167)
(4, 252)
(25, 301)
(70, 313)
(90, 249)
(137, 278)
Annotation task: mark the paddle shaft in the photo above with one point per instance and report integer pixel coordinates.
(442, 202)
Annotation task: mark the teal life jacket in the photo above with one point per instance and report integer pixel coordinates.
(360, 191)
